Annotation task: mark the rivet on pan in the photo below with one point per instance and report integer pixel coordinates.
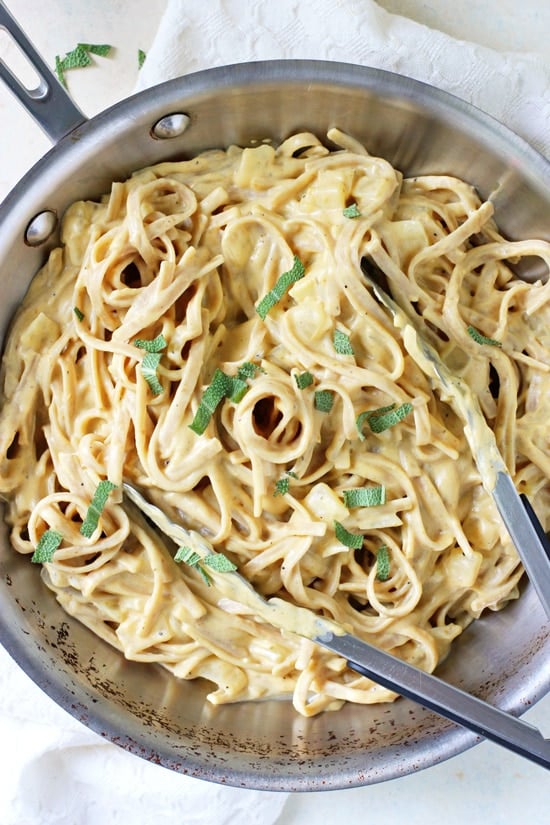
(40, 228)
(171, 126)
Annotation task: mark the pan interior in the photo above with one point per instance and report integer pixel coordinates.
(502, 657)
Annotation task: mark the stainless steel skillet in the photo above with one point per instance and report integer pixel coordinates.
(504, 658)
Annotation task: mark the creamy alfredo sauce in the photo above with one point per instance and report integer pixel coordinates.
(332, 475)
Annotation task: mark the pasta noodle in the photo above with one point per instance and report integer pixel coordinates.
(335, 478)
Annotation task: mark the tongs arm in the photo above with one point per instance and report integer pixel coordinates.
(516, 512)
(403, 678)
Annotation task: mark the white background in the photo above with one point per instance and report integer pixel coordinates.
(485, 786)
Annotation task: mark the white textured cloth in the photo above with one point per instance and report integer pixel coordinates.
(512, 87)
(57, 772)
(60, 773)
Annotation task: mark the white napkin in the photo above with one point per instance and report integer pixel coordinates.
(53, 771)
(512, 87)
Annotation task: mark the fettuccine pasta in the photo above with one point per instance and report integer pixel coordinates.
(205, 332)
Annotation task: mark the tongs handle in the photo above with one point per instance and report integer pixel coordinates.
(48, 102)
(445, 699)
(527, 534)
(537, 526)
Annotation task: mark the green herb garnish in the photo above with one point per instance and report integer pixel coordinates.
(239, 388)
(346, 538)
(351, 211)
(303, 380)
(79, 58)
(383, 418)
(222, 386)
(283, 484)
(46, 547)
(342, 343)
(212, 396)
(151, 361)
(479, 338)
(79, 314)
(190, 557)
(149, 367)
(101, 49)
(365, 496)
(97, 504)
(383, 564)
(151, 345)
(187, 555)
(248, 370)
(323, 400)
(215, 561)
(141, 58)
(59, 70)
(219, 563)
(284, 282)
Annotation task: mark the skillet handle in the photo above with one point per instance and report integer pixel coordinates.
(48, 103)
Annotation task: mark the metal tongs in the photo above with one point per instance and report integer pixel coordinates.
(387, 670)
(515, 509)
